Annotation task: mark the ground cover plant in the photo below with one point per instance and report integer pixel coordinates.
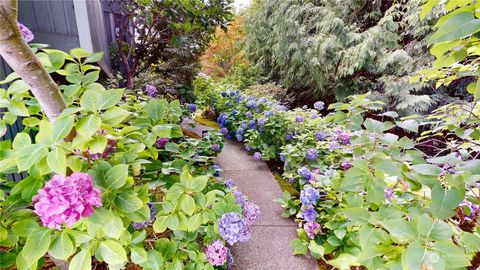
(113, 180)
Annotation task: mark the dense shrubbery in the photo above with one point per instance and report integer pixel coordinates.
(113, 180)
(367, 195)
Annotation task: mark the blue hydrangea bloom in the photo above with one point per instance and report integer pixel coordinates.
(311, 153)
(240, 131)
(304, 172)
(251, 124)
(248, 147)
(319, 105)
(232, 93)
(224, 131)
(252, 104)
(224, 94)
(229, 183)
(216, 170)
(215, 147)
(249, 114)
(192, 107)
(320, 135)
(282, 157)
(233, 228)
(269, 113)
(309, 195)
(288, 137)
(309, 214)
(261, 121)
(239, 197)
(299, 118)
(239, 137)
(257, 155)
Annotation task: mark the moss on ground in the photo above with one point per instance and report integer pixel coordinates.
(284, 185)
(209, 123)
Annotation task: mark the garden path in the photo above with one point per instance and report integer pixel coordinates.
(269, 248)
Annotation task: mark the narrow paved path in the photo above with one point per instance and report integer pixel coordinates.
(269, 248)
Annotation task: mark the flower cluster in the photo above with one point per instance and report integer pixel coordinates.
(64, 200)
(216, 170)
(251, 212)
(233, 228)
(311, 153)
(311, 228)
(151, 90)
(217, 253)
(257, 155)
(27, 34)
(304, 172)
(309, 195)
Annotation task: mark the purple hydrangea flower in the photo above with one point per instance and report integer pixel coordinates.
(319, 105)
(251, 124)
(217, 253)
(215, 147)
(261, 121)
(288, 137)
(233, 228)
(249, 114)
(153, 214)
(27, 35)
(346, 165)
(473, 209)
(311, 153)
(227, 103)
(192, 107)
(388, 194)
(332, 146)
(309, 214)
(343, 137)
(229, 183)
(239, 137)
(268, 113)
(257, 155)
(229, 260)
(309, 196)
(233, 93)
(224, 94)
(251, 212)
(282, 157)
(314, 116)
(224, 131)
(240, 198)
(320, 135)
(299, 118)
(161, 142)
(252, 104)
(151, 90)
(311, 228)
(304, 172)
(248, 148)
(304, 107)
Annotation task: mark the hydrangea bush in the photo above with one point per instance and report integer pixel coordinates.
(371, 191)
(113, 180)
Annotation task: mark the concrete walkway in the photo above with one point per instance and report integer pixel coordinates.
(269, 248)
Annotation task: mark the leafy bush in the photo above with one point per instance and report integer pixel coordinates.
(270, 90)
(368, 196)
(113, 180)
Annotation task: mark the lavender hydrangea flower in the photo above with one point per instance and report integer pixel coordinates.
(309, 214)
(282, 157)
(248, 148)
(229, 183)
(251, 124)
(217, 253)
(473, 209)
(343, 137)
(311, 153)
(229, 260)
(251, 212)
(240, 198)
(320, 135)
(261, 121)
(151, 90)
(249, 114)
(215, 147)
(288, 137)
(257, 155)
(311, 228)
(153, 214)
(309, 196)
(224, 131)
(233, 228)
(239, 137)
(314, 116)
(388, 194)
(268, 113)
(233, 93)
(319, 105)
(227, 103)
(252, 104)
(27, 35)
(332, 146)
(304, 172)
(299, 119)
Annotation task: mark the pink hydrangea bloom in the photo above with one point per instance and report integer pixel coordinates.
(27, 35)
(311, 228)
(64, 200)
(217, 253)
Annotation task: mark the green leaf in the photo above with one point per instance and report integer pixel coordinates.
(154, 261)
(114, 116)
(188, 204)
(116, 176)
(94, 57)
(427, 169)
(413, 256)
(456, 26)
(401, 229)
(138, 255)
(444, 202)
(81, 261)
(316, 250)
(18, 108)
(90, 77)
(110, 98)
(62, 247)
(18, 87)
(37, 244)
(24, 228)
(79, 53)
(90, 99)
(156, 110)
(410, 125)
(160, 224)
(57, 161)
(344, 261)
(199, 183)
(374, 126)
(194, 222)
(29, 155)
(128, 202)
(62, 127)
(88, 125)
(299, 247)
(112, 252)
(357, 214)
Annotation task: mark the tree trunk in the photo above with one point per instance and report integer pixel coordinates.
(23, 61)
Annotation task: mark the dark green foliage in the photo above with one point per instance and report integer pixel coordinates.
(330, 48)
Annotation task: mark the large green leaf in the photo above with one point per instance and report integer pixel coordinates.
(112, 252)
(81, 261)
(57, 161)
(88, 125)
(37, 244)
(444, 202)
(116, 177)
(401, 229)
(29, 155)
(62, 247)
(456, 26)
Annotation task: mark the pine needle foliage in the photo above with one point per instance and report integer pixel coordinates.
(333, 48)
